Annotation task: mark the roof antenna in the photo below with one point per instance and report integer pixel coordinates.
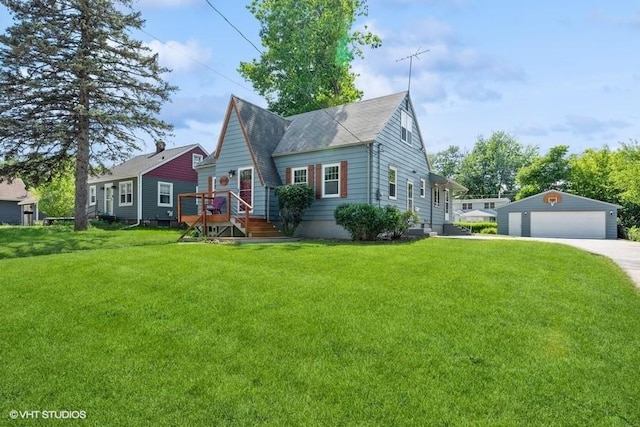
(410, 58)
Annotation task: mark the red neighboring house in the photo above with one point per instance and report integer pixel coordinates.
(144, 189)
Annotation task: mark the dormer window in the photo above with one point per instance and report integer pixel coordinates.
(406, 127)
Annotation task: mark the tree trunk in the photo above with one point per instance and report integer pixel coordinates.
(82, 135)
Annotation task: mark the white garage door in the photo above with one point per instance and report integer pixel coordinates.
(578, 225)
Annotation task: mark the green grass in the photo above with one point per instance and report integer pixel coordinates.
(436, 332)
(16, 242)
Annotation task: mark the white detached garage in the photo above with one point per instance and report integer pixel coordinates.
(558, 214)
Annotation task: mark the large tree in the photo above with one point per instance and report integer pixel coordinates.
(547, 172)
(75, 87)
(308, 49)
(590, 175)
(626, 171)
(447, 162)
(490, 169)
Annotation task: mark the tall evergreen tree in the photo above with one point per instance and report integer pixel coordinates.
(75, 86)
(309, 47)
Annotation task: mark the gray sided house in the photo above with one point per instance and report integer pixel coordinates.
(17, 205)
(366, 152)
(558, 214)
(145, 188)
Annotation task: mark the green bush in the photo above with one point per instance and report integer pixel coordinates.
(366, 222)
(293, 200)
(362, 220)
(396, 222)
(478, 227)
(633, 233)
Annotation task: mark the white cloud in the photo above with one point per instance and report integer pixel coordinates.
(178, 56)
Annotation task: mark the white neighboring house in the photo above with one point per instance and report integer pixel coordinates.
(477, 210)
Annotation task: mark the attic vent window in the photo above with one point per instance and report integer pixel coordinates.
(196, 159)
(406, 127)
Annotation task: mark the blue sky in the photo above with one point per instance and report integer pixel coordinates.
(548, 72)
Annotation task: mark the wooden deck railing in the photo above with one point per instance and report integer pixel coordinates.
(194, 209)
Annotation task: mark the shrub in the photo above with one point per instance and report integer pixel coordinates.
(366, 222)
(362, 220)
(396, 223)
(293, 200)
(478, 227)
(633, 233)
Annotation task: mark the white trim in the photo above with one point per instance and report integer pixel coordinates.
(107, 187)
(324, 181)
(423, 188)
(293, 176)
(195, 163)
(93, 195)
(411, 205)
(170, 204)
(395, 183)
(406, 124)
(121, 193)
(447, 204)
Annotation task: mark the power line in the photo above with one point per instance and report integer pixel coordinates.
(313, 100)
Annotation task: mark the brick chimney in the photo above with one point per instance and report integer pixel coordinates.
(160, 146)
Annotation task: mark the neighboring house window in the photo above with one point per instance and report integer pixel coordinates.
(126, 193)
(406, 127)
(197, 199)
(436, 197)
(423, 186)
(299, 176)
(331, 180)
(196, 159)
(410, 206)
(393, 183)
(92, 195)
(165, 194)
(466, 206)
(489, 205)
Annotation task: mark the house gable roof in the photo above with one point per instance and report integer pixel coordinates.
(344, 125)
(262, 132)
(143, 163)
(14, 191)
(541, 196)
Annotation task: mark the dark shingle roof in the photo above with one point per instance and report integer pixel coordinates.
(343, 125)
(142, 163)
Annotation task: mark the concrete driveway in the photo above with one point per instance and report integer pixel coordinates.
(623, 252)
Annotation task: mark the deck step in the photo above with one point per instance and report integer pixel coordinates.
(259, 227)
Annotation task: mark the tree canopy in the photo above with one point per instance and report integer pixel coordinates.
(447, 162)
(547, 172)
(75, 87)
(309, 47)
(490, 169)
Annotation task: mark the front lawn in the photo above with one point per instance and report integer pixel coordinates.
(435, 332)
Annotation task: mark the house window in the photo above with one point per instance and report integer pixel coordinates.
(92, 195)
(467, 206)
(126, 193)
(331, 180)
(423, 186)
(393, 183)
(436, 197)
(196, 159)
(446, 205)
(165, 194)
(299, 176)
(410, 206)
(406, 127)
(489, 205)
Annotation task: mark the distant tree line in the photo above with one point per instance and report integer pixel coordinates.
(500, 166)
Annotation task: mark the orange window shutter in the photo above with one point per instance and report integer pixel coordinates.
(210, 185)
(310, 175)
(343, 179)
(287, 176)
(318, 181)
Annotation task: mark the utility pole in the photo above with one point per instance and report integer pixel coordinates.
(410, 58)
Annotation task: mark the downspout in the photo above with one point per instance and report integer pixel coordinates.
(139, 208)
(378, 190)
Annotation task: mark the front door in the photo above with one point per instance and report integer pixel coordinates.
(245, 183)
(108, 198)
(446, 205)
